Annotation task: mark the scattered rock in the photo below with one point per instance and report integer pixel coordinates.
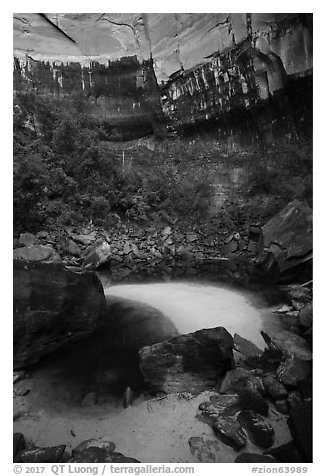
(252, 247)
(42, 235)
(27, 239)
(259, 431)
(292, 345)
(292, 371)
(229, 248)
(73, 248)
(274, 388)
(97, 255)
(85, 240)
(187, 363)
(43, 253)
(251, 399)
(217, 405)
(283, 308)
(297, 305)
(229, 431)
(246, 347)
(52, 454)
(305, 315)
(299, 293)
(52, 307)
(254, 458)
(268, 362)
(238, 379)
(101, 443)
(192, 237)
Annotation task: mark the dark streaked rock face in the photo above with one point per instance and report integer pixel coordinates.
(300, 425)
(52, 308)
(212, 69)
(188, 363)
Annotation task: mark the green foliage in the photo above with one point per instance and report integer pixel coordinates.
(64, 172)
(284, 172)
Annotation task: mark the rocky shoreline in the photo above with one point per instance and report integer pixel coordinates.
(276, 380)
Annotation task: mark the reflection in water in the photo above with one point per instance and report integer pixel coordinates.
(196, 306)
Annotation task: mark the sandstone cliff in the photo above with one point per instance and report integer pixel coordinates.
(178, 69)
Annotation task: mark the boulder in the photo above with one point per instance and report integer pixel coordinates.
(220, 412)
(292, 345)
(39, 253)
(102, 443)
(305, 315)
(292, 371)
(286, 241)
(230, 432)
(187, 363)
(99, 450)
(300, 425)
(217, 405)
(246, 347)
(84, 239)
(73, 248)
(27, 239)
(51, 454)
(251, 399)
(237, 379)
(274, 388)
(52, 308)
(254, 458)
(97, 255)
(259, 431)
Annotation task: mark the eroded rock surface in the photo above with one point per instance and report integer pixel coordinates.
(52, 308)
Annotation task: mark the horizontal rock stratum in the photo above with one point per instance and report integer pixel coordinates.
(53, 307)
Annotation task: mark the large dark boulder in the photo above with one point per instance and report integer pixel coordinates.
(260, 432)
(286, 242)
(53, 307)
(52, 454)
(300, 425)
(99, 450)
(188, 363)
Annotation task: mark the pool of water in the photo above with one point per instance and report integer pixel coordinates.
(194, 306)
